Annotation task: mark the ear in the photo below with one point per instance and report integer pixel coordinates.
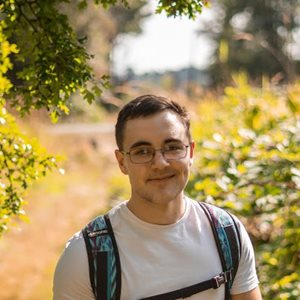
(192, 148)
(121, 161)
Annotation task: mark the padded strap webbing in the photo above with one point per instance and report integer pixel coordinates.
(212, 283)
(103, 257)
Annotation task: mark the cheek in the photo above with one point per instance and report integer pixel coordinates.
(183, 168)
(187, 168)
(136, 174)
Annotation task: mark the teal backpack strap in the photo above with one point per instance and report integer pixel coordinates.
(103, 257)
(227, 238)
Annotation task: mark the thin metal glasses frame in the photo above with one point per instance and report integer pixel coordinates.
(153, 155)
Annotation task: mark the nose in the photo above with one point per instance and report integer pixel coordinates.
(159, 160)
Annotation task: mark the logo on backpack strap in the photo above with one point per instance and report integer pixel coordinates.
(97, 233)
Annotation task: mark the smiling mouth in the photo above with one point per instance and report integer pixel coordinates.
(163, 178)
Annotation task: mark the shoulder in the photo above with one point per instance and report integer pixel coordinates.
(71, 277)
(220, 213)
(211, 211)
(223, 216)
(74, 248)
(246, 278)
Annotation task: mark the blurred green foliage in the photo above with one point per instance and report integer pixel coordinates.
(188, 8)
(22, 161)
(254, 36)
(51, 61)
(249, 163)
(118, 189)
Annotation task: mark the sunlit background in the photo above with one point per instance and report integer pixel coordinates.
(164, 44)
(236, 68)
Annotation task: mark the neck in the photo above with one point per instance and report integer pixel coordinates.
(158, 213)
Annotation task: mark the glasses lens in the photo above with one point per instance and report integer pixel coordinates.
(173, 151)
(141, 154)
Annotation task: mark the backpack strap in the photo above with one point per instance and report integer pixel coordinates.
(227, 238)
(213, 283)
(103, 257)
(103, 253)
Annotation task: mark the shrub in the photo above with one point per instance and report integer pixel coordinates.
(249, 163)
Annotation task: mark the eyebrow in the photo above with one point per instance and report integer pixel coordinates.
(140, 143)
(172, 140)
(145, 143)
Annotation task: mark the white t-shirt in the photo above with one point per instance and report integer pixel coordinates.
(156, 259)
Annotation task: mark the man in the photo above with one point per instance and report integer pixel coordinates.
(164, 239)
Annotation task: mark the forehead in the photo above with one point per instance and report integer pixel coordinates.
(154, 129)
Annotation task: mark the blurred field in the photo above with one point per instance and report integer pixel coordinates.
(58, 206)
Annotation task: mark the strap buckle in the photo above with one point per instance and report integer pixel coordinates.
(218, 280)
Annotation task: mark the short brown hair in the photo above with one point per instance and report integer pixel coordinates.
(147, 105)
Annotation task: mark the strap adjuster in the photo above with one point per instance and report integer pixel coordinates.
(218, 280)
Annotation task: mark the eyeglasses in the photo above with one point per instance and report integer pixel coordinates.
(145, 154)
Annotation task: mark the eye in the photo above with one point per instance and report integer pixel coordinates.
(173, 147)
(143, 151)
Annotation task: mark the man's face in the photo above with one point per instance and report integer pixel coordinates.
(159, 181)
